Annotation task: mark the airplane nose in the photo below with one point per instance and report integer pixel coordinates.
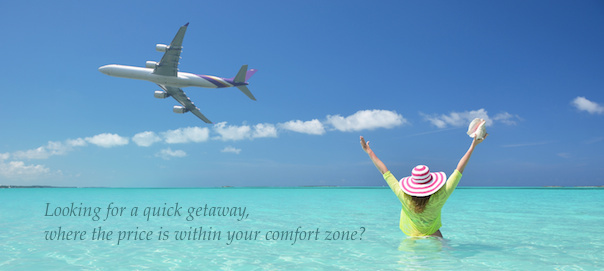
(104, 69)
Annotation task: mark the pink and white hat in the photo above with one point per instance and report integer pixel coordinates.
(422, 182)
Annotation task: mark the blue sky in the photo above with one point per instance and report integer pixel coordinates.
(407, 75)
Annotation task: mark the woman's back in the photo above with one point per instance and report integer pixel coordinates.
(422, 183)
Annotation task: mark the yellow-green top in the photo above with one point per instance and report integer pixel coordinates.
(427, 222)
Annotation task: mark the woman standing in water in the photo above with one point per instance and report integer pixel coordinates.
(423, 194)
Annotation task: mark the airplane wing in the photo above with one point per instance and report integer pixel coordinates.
(184, 100)
(168, 65)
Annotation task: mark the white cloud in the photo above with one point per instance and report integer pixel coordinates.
(231, 149)
(232, 132)
(107, 140)
(51, 149)
(146, 139)
(4, 156)
(39, 153)
(507, 118)
(461, 119)
(366, 120)
(264, 130)
(584, 104)
(80, 142)
(311, 127)
(168, 153)
(186, 135)
(436, 121)
(235, 133)
(19, 170)
(457, 119)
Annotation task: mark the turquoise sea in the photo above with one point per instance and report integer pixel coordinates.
(295, 229)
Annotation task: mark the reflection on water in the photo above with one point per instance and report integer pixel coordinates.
(423, 252)
(422, 244)
(436, 253)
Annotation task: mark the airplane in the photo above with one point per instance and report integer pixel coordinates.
(166, 75)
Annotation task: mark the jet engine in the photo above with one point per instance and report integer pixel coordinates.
(161, 94)
(161, 47)
(151, 64)
(180, 109)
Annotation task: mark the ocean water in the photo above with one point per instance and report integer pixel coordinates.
(295, 229)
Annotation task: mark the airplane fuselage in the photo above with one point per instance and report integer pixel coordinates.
(167, 77)
(183, 79)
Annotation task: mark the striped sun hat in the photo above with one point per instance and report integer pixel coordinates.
(422, 182)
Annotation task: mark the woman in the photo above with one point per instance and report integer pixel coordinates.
(423, 194)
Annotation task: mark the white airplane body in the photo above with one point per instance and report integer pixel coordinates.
(183, 79)
(166, 75)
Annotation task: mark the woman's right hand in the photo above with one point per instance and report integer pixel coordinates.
(477, 141)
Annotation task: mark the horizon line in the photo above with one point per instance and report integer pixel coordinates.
(302, 186)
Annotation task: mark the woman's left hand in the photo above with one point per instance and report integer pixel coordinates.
(365, 145)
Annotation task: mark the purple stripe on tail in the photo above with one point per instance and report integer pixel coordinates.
(212, 80)
(249, 74)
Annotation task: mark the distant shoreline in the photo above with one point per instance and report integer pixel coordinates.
(34, 186)
(308, 186)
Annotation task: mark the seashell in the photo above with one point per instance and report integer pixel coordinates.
(477, 127)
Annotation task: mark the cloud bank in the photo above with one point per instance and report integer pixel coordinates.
(361, 120)
(12, 165)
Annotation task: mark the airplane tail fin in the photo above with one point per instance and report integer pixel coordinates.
(242, 76)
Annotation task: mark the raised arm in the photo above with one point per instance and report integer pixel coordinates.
(464, 160)
(376, 161)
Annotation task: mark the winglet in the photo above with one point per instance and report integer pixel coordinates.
(187, 24)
